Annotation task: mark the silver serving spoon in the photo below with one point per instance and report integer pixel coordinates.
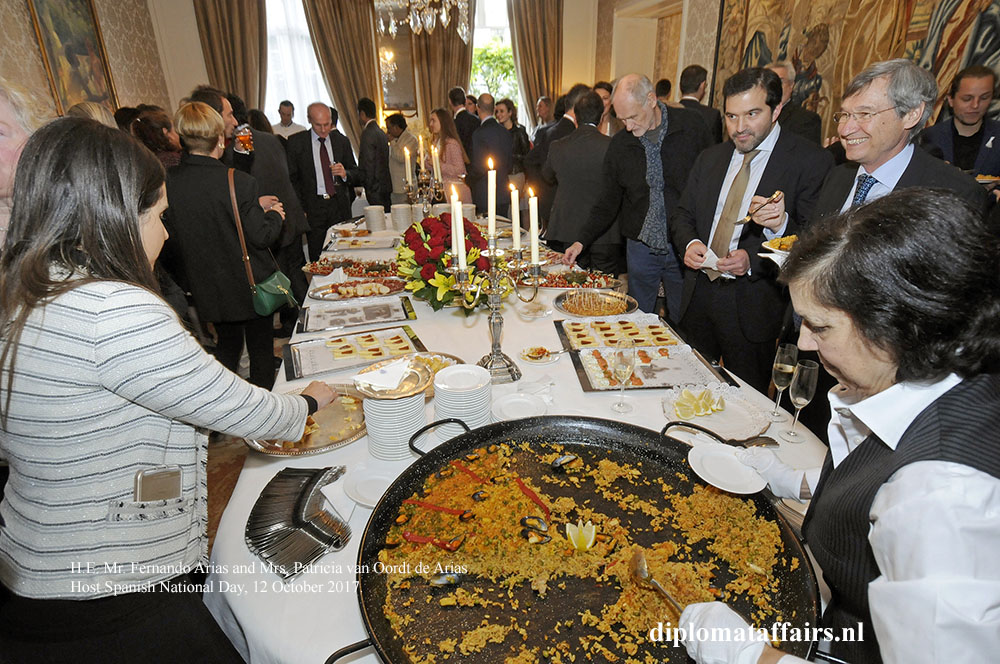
(640, 572)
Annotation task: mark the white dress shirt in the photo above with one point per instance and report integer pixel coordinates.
(316, 145)
(286, 131)
(935, 534)
(887, 174)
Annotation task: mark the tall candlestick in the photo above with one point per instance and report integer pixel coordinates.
(420, 165)
(456, 214)
(409, 171)
(456, 218)
(515, 217)
(533, 225)
(491, 200)
(436, 159)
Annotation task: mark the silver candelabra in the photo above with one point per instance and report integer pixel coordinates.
(427, 191)
(502, 369)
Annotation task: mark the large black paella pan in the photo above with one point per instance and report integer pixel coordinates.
(494, 502)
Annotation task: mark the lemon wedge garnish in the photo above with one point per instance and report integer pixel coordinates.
(719, 405)
(684, 410)
(581, 536)
(687, 396)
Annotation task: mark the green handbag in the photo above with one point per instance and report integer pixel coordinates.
(275, 291)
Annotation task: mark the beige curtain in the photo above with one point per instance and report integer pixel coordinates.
(234, 39)
(442, 61)
(536, 35)
(343, 36)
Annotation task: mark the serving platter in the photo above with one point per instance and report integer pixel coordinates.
(339, 423)
(348, 351)
(354, 312)
(356, 289)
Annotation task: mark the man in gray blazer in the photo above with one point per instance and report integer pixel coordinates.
(373, 157)
(575, 171)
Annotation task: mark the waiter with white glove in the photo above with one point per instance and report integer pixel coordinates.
(904, 518)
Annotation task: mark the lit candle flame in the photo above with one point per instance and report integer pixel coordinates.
(531, 192)
(489, 162)
(454, 192)
(512, 187)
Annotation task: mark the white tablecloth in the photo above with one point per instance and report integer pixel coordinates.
(317, 613)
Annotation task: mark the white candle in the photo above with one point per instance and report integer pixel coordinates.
(533, 225)
(455, 221)
(456, 214)
(409, 171)
(515, 218)
(422, 157)
(437, 163)
(491, 200)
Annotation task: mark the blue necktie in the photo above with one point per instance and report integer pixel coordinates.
(865, 184)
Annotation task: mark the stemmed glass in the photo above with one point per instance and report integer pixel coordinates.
(622, 365)
(801, 392)
(781, 375)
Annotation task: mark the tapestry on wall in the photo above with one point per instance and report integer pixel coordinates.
(829, 41)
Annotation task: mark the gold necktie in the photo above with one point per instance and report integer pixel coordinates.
(731, 212)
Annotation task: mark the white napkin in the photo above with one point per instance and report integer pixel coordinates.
(337, 276)
(337, 497)
(777, 258)
(385, 378)
(712, 262)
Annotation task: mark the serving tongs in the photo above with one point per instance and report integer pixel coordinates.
(752, 441)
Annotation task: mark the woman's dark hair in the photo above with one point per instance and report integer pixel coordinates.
(918, 272)
(448, 130)
(511, 109)
(148, 127)
(258, 121)
(79, 193)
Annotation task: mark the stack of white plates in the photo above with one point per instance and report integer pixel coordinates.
(461, 391)
(390, 424)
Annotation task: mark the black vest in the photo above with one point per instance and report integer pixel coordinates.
(960, 427)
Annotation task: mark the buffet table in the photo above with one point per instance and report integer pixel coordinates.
(317, 612)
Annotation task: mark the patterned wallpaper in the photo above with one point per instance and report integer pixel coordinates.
(668, 36)
(132, 52)
(702, 18)
(605, 38)
(128, 38)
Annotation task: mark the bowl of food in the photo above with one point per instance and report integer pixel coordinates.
(780, 245)
(584, 302)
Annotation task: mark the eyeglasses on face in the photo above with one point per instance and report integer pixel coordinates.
(861, 117)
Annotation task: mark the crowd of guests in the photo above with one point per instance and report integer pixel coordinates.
(894, 288)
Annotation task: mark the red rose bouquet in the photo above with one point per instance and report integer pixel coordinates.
(424, 255)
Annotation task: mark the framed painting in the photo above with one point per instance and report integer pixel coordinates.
(73, 52)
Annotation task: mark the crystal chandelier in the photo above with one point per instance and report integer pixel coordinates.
(387, 64)
(422, 15)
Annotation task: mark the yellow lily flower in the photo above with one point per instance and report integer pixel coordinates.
(442, 283)
(414, 285)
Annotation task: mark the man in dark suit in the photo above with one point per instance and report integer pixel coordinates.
(373, 157)
(733, 308)
(793, 117)
(490, 141)
(534, 161)
(465, 122)
(882, 111)
(694, 80)
(969, 139)
(878, 120)
(322, 169)
(642, 199)
(575, 172)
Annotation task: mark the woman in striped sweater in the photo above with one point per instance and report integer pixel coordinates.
(99, 383)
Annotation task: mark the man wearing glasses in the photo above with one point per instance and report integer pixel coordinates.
(883, 109)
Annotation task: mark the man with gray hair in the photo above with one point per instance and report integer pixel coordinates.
(793, 117)
(883, 109)
(645, 170)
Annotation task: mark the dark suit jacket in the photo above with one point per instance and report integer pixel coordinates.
(625, 194)
(796, 167)
(374, 165)
(801, 121)
(491, 140)
(923, 171)
(466, 123)
(534, 162)
(203, 250)
(268, 165)
(302, 173)
(575, 172)
(711, 116)
(988, 159)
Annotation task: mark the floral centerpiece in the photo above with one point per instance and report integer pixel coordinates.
(425, 253)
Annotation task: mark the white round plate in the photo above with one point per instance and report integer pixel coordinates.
(518, 405)
(717, 464)
(366, 486)
(461, 378)
(780, 252)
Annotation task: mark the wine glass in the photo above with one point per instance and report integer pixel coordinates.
(622, 364)
(781, 374)
(801, 392)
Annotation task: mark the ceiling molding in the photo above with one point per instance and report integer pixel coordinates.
(649, 8)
